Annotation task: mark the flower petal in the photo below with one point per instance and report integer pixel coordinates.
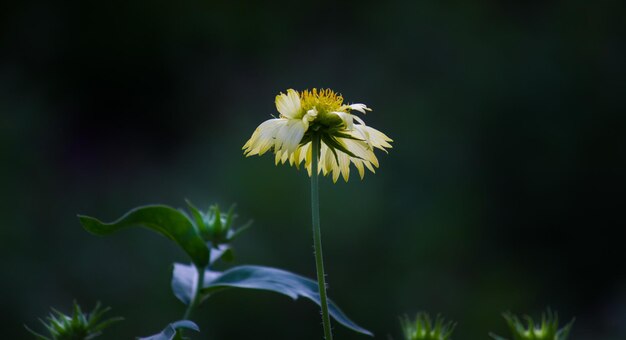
(378, 139)
(289, 136)
(360, 149)
(344, 165)
(327, 159)
(263, 137)
(359, 166)
(372, 136)
(359, 107)
(289, 104)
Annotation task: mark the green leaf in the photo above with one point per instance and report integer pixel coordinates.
(184, 281)
(255, 277)
(165, 220)
(197, 216)
(170, 331)
(233, 234)
(35, 334)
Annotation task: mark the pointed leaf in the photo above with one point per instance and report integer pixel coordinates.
(165, 220)
(170, 331)
(233, 234)
(564, 332)
(35, 334)
(197, 216)
(255, 277)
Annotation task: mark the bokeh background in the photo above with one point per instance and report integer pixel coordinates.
(504, 190)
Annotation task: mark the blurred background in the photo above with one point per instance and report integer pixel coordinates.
(504, 190)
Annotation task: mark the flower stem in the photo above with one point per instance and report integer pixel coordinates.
(317, 236)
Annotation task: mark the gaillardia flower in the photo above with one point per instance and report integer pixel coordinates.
(344, 136)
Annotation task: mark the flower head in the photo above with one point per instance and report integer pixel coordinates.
(344, 136)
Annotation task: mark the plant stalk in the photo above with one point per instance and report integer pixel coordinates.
(196, 296)
(317, 236)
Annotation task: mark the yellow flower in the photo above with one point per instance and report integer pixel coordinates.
(344, 136)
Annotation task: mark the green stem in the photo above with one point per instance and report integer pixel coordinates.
(196, 297)
(195, 300)
(317, 236)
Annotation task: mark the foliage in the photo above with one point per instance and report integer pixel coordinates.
(184, 280)
(162, 219)
(205, 237)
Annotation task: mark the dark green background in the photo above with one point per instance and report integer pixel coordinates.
(504, 190)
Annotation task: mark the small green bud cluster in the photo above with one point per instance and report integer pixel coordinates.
(548, 329)
(214, 226)
(79, 326)
(424, 329)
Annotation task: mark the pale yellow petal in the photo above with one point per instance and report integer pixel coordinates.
(344, 165)
(294, 157)
(359, 107)
(277, 157)
(330, 165)
(293, 134)
(289, 104)
(378, 139)
(359, 166)
(304, 152)
(359, 131)
(360, 149)
(284, 158)
(308, 159)
(335, 175)
(289, 135)
(359, 120)
(327, 159)
(263, 137)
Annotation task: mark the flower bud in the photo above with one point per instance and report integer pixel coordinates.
(214, 226)
(424, 329)
(547, 330)
(79, 326)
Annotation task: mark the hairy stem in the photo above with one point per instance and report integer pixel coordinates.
(317, 237)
